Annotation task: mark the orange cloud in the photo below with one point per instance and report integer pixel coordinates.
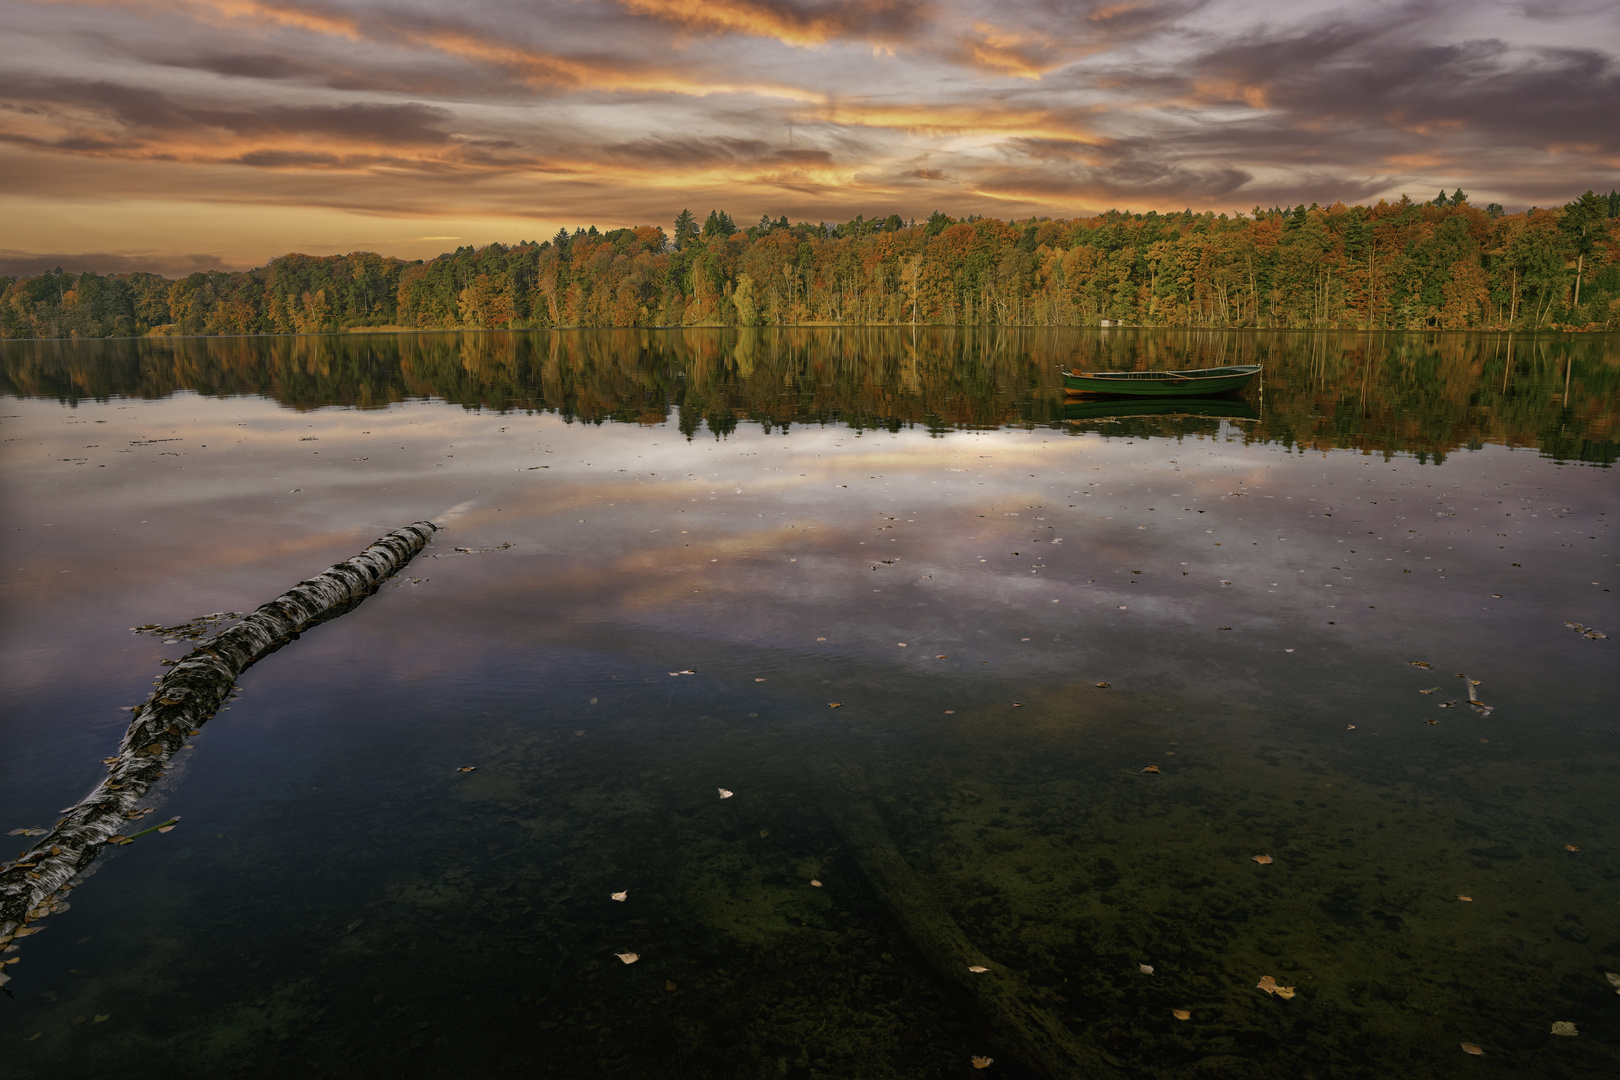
(953, 119)
(873, 20)
(1009, 53)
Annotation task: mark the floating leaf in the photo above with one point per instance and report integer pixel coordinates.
(1263, 860)
(1613, 977)
(1181, 1014)
(628, 957)
(1571, 847)
(1349, 727)
(1151, 768)
(763, 833)
(978, 969)
(1465, 899)
(835, 704)
(1146, 969)
(724, 794)
(1102, 686)
(625, 895)
(166, 828)
(467, 768)
(901, 644)
(100, 1017)
(982, 1062)
(814, 883)
(940, 656)
(1420, 663)
(1564, 1027)
(1267, 983)
(759, 680)
(1285, 992)
(669, 984)
(1430, 690)
(1472, 1048)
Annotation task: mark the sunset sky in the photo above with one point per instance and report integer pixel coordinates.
(173, 135)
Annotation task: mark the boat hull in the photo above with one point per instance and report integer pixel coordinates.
(1161, 383)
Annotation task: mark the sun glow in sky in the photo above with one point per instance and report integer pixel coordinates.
(173, 135)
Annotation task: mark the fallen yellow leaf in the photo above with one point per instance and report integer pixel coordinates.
(1465, 899)
(982, 1062)
(628, 957)
(100, 1017)
(1146, 969)
(978, 969)
(1263, 860)
(1571, 847)
(1285, 992)
(724, 794)
(1472, 1048)
(1181, 1014)
(1151, 768)
(835, 704)
(622, 895)
(814, 883)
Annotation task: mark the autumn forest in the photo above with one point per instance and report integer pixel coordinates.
(1443, 264)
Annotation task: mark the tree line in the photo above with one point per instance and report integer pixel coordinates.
(1425, 395)
(1438, 265)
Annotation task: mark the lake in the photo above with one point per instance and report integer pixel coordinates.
(1153, 704)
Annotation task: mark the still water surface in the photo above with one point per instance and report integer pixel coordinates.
(1091, 661)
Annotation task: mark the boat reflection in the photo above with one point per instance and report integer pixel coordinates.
(1226, 408)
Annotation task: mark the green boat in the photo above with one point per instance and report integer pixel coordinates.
(1220, 380)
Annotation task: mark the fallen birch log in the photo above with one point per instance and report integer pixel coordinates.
(185, 699)
(1025, 1026)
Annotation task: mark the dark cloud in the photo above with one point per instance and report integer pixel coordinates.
(168, 264)
(246, 65)
(1118, 172)
(1491, 92)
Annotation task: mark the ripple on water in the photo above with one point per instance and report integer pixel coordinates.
(1600, 729)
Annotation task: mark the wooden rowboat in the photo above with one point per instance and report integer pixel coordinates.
(1220, 380)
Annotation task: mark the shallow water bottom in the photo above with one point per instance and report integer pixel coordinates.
(427, 921)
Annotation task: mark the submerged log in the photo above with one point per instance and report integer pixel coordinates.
(1026, 1027)
(185, 699)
